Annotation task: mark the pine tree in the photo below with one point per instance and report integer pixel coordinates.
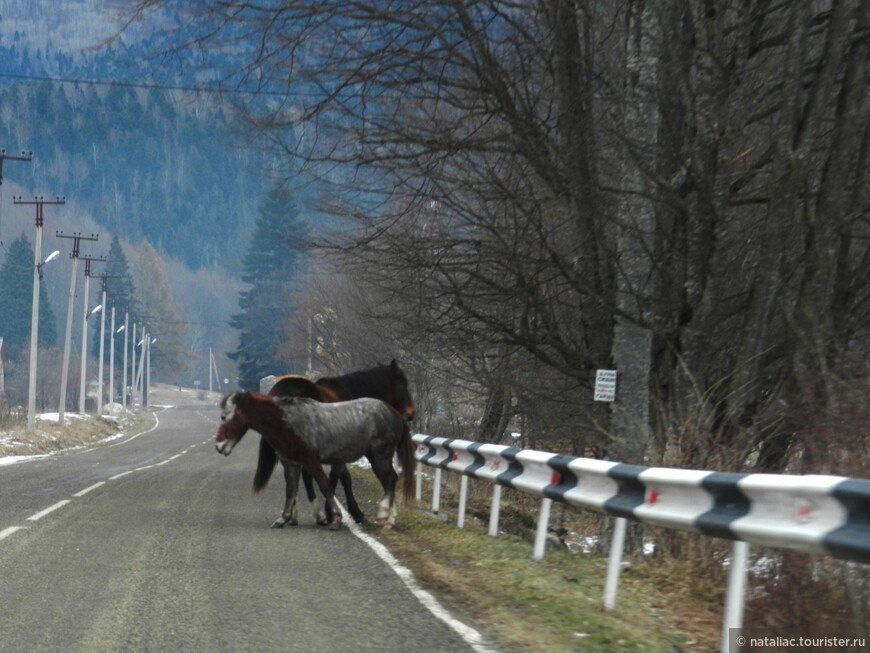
(16, 302)
(269, 266)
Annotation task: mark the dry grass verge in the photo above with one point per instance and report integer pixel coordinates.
(49, 436)
(550, 606)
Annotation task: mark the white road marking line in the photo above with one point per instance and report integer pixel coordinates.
(471, 637)
(88, 489)
(43, 513)
(139, 469)
(156, 424)
(117, 476)
(6, 532)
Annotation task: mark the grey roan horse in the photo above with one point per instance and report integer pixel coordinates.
(241, 411)
(385, 382)
(333, 434)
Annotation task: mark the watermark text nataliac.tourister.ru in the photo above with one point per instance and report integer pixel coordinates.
(758, 642)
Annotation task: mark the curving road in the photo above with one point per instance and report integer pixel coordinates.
(154, 542)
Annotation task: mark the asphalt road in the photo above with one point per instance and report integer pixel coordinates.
(154, 542)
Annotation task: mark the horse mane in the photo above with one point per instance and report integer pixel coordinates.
(290, 400)
(373, 382)
(269, 417)
(244, 399)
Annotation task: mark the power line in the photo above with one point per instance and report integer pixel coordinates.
(141, 85)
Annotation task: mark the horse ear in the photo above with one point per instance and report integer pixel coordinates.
(394, 367)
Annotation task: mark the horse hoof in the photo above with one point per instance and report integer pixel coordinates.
(335, 526)
(281, 523)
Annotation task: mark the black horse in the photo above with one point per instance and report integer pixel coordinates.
(385, 382)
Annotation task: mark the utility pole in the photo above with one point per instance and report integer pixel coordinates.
(102, 339)
(217, 376)
(25, 156)
(213, 366)
(140, 376)
(39, 203)
(112, 356)
(104, 279)
(133, 368)
(67, 343)
(126, 330)
(146, 391)
(112, 333)
(86, 314)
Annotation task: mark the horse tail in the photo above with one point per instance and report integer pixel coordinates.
(265, 465)
(406, 450)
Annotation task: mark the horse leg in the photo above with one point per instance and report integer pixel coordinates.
(347, 483)
(382, 466)
(323, 515)
(332, 510)
(291, 479)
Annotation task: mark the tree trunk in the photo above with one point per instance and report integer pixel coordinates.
(632, 338)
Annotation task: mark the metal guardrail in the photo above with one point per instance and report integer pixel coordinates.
(826, 515)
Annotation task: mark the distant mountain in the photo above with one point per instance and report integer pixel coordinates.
(70, 27)
(161, 164)
(111, 129)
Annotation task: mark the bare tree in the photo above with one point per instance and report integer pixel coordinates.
(754, 100)
(522, 178)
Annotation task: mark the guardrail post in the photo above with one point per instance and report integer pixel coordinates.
(614, 563)
(734, 597)
(543, 525)
(419, 492)
(436, 491)
(494, 510)
(463, 495)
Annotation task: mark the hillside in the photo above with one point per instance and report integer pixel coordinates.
(111, 129)
(143, 163)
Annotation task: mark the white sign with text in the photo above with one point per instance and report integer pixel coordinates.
(605, 385)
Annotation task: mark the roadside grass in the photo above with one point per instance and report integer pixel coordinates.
(48, 436)
(552, 605)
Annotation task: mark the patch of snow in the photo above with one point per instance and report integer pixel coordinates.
(53, 417)
(589, 543)
(114, 437)
(11, 460)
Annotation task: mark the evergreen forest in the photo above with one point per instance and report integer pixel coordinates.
(148, 164)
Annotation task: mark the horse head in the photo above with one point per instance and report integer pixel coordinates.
(399, 395)
(234, 422)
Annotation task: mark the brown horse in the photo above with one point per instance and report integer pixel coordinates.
(241, 411)
(385, 382)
